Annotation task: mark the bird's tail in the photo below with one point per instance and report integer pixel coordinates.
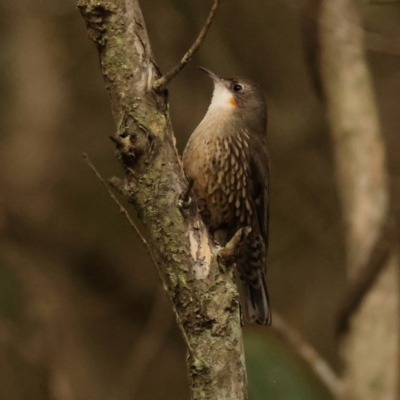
(251, 267)
(256, 301)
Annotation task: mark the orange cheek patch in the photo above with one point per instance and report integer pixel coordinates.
(232, 101)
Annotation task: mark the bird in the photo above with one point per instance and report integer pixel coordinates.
(227, 161)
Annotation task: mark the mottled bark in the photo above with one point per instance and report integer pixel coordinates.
(204, 295)
(370, 350)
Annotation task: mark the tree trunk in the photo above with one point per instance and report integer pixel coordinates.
(203, 294)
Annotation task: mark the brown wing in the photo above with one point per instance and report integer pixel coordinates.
(259, 167)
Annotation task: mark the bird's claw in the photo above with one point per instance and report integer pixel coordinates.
(184, 204)
(185, 200)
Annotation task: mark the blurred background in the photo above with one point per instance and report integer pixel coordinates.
(81, 312)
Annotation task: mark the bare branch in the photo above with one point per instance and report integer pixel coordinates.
(384, 44)
(363, 183)
(145, 349)
(117, 184)
(316, 362)
(123, 211)
(161, 84)
(360, 285)
(383, 2)
(144, 241)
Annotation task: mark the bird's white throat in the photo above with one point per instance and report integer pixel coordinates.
(222, 99)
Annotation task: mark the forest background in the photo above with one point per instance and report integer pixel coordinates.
(82, 315)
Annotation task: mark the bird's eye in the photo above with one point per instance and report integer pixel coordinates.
(237, 88)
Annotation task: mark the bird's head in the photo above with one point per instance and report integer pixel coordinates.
(238, 95)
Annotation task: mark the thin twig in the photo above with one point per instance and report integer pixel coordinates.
(123, 211)
(383, 2)
(316, 362)
(384, 44)
(367, 275)
(118, 185)
(144, 241)
(161, 83)
(145, 349)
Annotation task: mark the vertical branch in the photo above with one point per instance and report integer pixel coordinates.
(204, 296)
(370, 350)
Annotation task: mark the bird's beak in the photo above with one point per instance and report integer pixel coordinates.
(214, 77)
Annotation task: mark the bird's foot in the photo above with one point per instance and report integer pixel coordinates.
(185, 200)
(228, 254)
